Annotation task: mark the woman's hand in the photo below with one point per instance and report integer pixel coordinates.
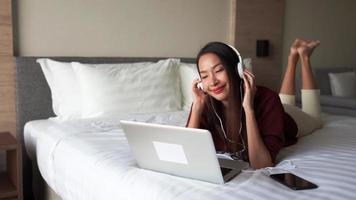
(199, 97)
(250, 90)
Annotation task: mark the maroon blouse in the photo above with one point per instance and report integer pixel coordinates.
(276, 127)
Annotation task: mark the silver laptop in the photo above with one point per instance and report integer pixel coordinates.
(180, 151)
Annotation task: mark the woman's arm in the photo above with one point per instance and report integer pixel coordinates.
(195, 116)
(258, 153)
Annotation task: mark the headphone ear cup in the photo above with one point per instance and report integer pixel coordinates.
(240, 70)
(200, 86)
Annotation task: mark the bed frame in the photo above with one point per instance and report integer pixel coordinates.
(33, 101)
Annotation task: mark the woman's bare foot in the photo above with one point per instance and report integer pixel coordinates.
(307, 47)
(294, 48)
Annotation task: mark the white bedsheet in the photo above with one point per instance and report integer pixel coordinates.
(90, 159)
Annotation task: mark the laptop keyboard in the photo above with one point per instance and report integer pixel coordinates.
(224, 170)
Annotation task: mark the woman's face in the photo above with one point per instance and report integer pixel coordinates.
(214, 76)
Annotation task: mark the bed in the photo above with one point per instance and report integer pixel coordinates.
(90, 158)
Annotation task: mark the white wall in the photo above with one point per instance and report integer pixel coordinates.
(120, 27)
(332, 22)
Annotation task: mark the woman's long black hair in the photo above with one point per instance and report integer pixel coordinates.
(229, 60)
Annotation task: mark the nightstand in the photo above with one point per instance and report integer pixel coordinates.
(11, 179)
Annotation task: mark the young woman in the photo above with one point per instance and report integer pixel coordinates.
(253, 128)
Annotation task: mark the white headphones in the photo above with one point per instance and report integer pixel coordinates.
(240, 66)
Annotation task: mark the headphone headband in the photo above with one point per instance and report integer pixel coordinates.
(240, 67)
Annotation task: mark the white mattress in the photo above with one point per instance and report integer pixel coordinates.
(90, 159)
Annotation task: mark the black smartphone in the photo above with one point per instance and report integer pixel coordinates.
(293, 181)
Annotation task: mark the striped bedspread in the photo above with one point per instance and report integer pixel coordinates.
(91, 160)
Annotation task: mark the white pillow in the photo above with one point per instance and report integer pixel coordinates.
(65, 91)
(188, 72)
(343, 84)
(109, 90)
